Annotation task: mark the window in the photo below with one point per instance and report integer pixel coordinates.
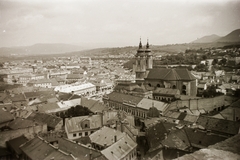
(86, 125)
(79, 134)
(74, 135)
(86, 133)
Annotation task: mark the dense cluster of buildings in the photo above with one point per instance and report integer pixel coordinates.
(150, 113)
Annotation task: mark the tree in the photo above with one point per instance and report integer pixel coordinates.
(223, 61)
(78, 111)
(153, 112)
(201, 67)
(84, 68)
(215, 61)
(211, 92)
(204, 57)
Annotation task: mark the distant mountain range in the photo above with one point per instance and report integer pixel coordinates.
(232, 37)
(39, 49)
(57, 49)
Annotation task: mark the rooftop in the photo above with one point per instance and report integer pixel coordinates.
(40, 149)
(219, 125)
(75, 124)
(170, 74)
(16, 142)
(105, 136)
(44, 118)
(78, 150)
(19, 123)
(120, 149)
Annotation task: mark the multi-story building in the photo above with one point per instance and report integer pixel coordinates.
(137, 106)
(24, 79)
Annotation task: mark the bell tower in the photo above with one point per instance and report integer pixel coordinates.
(143, 62)
(149, 56)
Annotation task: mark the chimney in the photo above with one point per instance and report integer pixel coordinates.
(121, 125)
(101, 118)
(116, 125)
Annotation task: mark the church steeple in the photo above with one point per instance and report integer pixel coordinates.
(140, 44)
(147, 46)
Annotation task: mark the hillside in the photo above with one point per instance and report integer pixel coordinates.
(50, 50)
(207, 39)
(39, 49)
(156, 49)
(234, 36)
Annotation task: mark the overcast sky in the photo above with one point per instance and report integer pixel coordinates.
(114, 23)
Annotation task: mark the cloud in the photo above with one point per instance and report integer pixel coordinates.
(120, 22)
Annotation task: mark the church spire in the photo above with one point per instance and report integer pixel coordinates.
(140, 43)
(147, 46)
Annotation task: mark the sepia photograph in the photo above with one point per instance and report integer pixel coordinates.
(119, 79)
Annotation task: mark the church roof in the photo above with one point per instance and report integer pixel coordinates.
(170, 74)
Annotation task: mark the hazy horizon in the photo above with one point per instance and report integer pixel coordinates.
(112, 23)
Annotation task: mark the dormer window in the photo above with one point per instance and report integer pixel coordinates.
(85, 124)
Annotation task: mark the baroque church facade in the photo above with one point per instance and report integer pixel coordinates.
(153, 78)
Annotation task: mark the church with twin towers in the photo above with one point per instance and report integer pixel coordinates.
(146, 74)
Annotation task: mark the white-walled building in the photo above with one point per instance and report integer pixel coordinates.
(82, 126)
(77, 88)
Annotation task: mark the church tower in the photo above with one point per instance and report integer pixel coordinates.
(143, 62)
(149, 56)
